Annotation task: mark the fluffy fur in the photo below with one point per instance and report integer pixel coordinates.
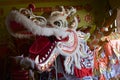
(32, 27)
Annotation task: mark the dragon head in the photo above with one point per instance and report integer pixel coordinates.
(54, 35)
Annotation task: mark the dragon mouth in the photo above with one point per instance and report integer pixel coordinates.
(43, 52)
(18, 30)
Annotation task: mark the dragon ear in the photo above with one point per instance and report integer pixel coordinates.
(54, 13)
(74, 23)
(71, 11)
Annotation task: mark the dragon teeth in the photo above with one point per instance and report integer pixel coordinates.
(49, 49)
(46, 55)
(43, 58)
(48, 52)
(37, 60)
(40, 60)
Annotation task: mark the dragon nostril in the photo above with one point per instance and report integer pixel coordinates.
(50, 25)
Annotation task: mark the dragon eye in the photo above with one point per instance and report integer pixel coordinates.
(57, 23)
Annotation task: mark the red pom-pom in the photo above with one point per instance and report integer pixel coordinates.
(31, 6)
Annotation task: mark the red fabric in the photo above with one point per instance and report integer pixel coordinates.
(17, 27)
(41, 46)
(108, 49)
(60, 75)
(80, 73)
(21, 46)
(102, 77)
(19, 75)
(16, 72)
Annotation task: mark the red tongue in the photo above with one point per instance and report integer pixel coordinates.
(40, 46)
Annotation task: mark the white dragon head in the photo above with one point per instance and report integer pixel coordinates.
(56, 36)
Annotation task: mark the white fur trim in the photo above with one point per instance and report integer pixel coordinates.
(32, 27)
